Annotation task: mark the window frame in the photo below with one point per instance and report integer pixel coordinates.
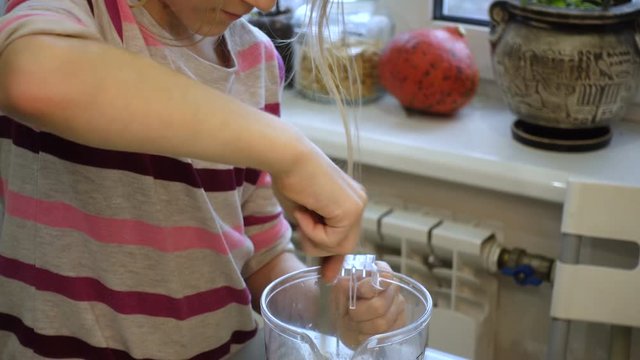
(438, 14)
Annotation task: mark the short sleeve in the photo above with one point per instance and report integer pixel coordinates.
(54, 17)
(265, 225)
(281, 69)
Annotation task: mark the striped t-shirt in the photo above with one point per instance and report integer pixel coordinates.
(118, 255)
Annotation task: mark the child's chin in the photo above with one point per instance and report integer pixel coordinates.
(215, 30)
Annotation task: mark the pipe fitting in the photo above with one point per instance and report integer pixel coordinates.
(525, 268)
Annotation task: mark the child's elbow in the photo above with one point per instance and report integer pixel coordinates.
(12, 96)
(22, 90)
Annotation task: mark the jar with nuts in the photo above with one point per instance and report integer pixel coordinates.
(354, 37)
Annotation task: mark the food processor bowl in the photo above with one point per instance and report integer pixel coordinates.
(302, 324)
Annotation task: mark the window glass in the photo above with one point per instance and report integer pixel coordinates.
(475, 11)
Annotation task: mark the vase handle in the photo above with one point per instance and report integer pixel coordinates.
(499, 15)
(636, 33)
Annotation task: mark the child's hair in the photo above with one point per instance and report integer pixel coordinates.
(320, 35)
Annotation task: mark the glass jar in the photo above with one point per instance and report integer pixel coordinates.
(355, 34)
(277, 25)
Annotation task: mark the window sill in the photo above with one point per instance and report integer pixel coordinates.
(474, 147)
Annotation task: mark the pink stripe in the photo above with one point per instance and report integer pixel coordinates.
(12, 4)
(124, 302)
(14, 19)
(125, 12)
(149, 38)
(255, 55)
(234, 237)
(121, 231)
(269, 237)
(264, 180)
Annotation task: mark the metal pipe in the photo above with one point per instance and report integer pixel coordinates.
(558, 339)
(620, 343)
(559, 332)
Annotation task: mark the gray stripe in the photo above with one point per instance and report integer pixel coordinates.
(111, 193)
(121, 267)
(142, 336)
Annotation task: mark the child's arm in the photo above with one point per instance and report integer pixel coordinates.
(280, 265)
(105, 97)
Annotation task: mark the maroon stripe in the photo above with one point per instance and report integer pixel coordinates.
(273, 109)
(237, 337)
(251, 176)
(64, 347)
(114, 14)
(56, 347)
(124, 302)
(158, 167)
(259, 220)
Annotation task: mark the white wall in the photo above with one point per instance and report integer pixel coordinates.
(522, 312)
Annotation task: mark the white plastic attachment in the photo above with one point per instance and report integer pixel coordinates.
(608, 211)
(357, 268)
(596, 293)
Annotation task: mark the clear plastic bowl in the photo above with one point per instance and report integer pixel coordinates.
(298, 325)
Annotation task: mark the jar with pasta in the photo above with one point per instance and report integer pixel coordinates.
(353, 37)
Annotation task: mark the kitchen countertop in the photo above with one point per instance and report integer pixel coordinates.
(474, 147)
(255, 350)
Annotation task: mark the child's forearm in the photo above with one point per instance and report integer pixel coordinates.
(105, 97)
(281, 265)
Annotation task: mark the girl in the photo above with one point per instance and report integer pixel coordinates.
(139, 145)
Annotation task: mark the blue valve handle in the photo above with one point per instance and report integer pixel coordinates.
(523, 275)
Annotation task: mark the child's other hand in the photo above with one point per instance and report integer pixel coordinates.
(378, 310)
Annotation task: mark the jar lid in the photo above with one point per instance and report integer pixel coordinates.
(359, 18)
(353, 10)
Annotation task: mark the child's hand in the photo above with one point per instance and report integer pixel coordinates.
(378, 310)
(326, 204)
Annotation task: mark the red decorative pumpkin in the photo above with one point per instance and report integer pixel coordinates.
(429, 70)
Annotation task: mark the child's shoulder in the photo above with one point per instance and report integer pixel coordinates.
(58, 17)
